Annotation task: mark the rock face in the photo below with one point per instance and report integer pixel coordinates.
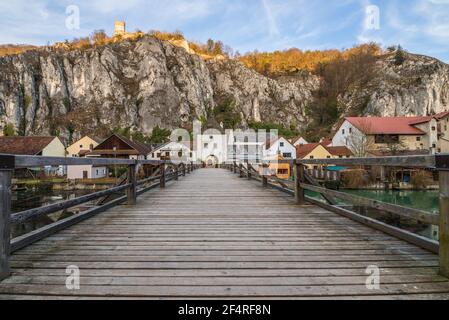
(149, 82)
(419, 86)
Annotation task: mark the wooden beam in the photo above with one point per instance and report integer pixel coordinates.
(313, 182)
(405, 212)
(132, 185)
(298, 174)
(39, 234)
(5, 225)
(407, 161)
(162, 180)
(24, 216)
(444, 223)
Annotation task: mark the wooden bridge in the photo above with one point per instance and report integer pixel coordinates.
(213, 234)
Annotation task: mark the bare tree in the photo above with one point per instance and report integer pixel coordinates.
(358, 141)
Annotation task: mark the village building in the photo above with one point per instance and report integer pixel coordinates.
(35, 146)
(174, 151)
(279, 146)
(116, 146)
(212, 148)
(395, 135)
(32, 146)
(319, 151)
(82, 147)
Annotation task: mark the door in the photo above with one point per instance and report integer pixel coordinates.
(85, 175)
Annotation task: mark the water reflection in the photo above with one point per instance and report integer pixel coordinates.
(423, 200)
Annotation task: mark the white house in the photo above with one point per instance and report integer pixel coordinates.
(379, 134)
(171, 151)
(86, 172)
(280, 146)
(212, 148)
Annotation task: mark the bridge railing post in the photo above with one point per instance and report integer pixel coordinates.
(183, 169)
(235, 167)
(6, 170)
(176, 167)
(131, 192)
(162, 179)
(265, 175)
(298, 174)
(444, 221)
(249, 171)
(241, 170)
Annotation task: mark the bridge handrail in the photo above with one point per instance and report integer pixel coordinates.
(303, 181)
(167, 170)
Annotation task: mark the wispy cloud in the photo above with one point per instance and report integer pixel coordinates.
(273, 27)
(419, 25)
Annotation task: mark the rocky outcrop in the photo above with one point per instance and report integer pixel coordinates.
(418, 86)
(148, 82)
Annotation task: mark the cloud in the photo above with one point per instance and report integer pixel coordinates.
(273, 27)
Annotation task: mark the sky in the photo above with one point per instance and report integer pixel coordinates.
(420, 26)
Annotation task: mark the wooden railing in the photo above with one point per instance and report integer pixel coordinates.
(303, 181)
(165, 171)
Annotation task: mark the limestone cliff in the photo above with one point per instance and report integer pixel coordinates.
(144, 83)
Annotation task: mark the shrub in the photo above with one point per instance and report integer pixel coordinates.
(355, 178)
(421, 179)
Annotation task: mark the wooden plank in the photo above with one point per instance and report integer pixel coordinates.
(444, 223)
(5, 226)
(195, 241)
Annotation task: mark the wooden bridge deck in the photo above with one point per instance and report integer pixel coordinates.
(213, 235)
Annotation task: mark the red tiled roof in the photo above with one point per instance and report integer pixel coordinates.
(339, 151)
(305, 149)
(24, 145)
(326, 141)
(396, 125)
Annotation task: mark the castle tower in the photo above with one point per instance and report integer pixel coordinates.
(120, 28)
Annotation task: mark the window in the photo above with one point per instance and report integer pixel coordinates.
(341, 157)
(81, 146)
(211, 137)
(281, 144)
(158, 155)
(180, 154)
(282, 171)
(167, 153)
(287, 155)
(328, 157)
(433, 128)
(312, 157)
(445, 127)
(434, 145)
(439, 150)
(386, 138)
(190, 154)
(206, 145)
(350, 130)
(418, 138)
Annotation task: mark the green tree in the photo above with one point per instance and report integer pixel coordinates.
(400, 56)
(160, 135)
(282, 131)
(8, 130)
(226, 113)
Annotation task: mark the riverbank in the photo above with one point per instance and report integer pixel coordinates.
(64, 184)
